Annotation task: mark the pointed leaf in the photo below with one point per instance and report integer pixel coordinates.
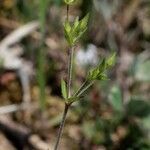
(111, 60)
(84, 22)
(64, 89)
(98, 72)
(102, 66)
(67, 31)
(102, 77)
(73, 33)
(76, 24)
(67, 26)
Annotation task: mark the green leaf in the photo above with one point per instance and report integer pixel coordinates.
(67, 26)
(103, 77)
(93, 74)
(63, 89)
(98, 73)
(84, 22)
(81, 28)
(73, 33)
(111, 60)
(76, 24)
(102, 66)
(69, 2)
(67, 30)
(115, 98)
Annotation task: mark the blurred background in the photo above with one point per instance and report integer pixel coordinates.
(114, 114)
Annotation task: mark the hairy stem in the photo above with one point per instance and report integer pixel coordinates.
(70, 68)
(69, 80)
(60, 131)
(84, 89)
(81, 88)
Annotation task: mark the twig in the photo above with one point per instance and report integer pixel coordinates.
(70, 68)
(61, 126)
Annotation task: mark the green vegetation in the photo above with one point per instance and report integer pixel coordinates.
(76, 73)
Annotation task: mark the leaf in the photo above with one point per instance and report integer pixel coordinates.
(102, 66)
(67, 26)
(67, 30)
(84, 22)
(68, 37)
(76, 24)
(138, 108)
(63, 89)
(98, 73)
(81, 28)
(103, 77)
(115, 98)
(93, 74)
(73, 33)
(111, 60)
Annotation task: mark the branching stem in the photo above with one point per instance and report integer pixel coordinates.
(84, 89)
(69, 80)
(81, 87)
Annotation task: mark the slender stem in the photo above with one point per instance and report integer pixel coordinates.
(70, 69)
(67, 12)
(70, 63)
(84, 89)
(60, 131)
(69, 80)
(81, 87)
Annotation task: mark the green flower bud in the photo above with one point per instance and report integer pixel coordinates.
(69, 2)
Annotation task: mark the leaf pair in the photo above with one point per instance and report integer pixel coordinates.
(74, 32)
(98, 73)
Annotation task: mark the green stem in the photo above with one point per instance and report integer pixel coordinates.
(70, 69)
(60, 131)
(84, 89)
(81, 87)
(69, 80)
